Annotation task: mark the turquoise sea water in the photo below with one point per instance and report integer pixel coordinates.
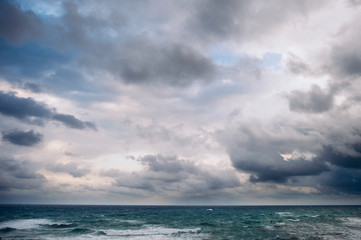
(179, 222)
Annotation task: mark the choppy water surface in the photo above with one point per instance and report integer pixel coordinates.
(179, 222)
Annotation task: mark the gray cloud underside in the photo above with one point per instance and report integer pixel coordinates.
(245, 19)
(164, 174)
(341, 181)
(71, 168)
(259, 154)
(143, 61)
(22, 108)
(16, 25)
(15, 174)
(27, 108)
(331, 153)
(72, 122)
(314, 101)
(22, 138)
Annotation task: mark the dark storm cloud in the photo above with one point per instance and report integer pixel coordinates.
(280, 171)
(323, 153)
(27, 108)
(72, 122)
(346, 60)
(15, 174)
(141, 60)
(21, 138)
(268, 165)
(22, 108)
(16, 25)
(245, 19)
(71, 168)
(169, 173)
(347, 181)
(313, 101)
(349, 159)
(258, 152)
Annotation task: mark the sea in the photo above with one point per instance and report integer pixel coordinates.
(179, 222)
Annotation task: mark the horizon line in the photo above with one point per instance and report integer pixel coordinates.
(183, 205)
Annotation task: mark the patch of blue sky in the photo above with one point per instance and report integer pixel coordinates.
(42, 8)
(223, 56)
(216, 91)
(271, 60)
(29, 59)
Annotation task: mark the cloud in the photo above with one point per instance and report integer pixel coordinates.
(314, 101)
(260, 152)
(351, 158)
(21, 138)
(345, 59)
(82, 29)
(355, 3)
(165, 174)
(72, 122)
(140, 60)
(71, 168)
(33, 87)
(16, 25)
(243, 20)
(296, 66)
(22, 108)
(15, 174)
(346, 181)
(26, 108)
(163, 78)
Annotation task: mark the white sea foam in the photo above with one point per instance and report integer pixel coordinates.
(284, 214)
(150, 230)
(155, 232)
(352, 221)
(25, 223)
(148, 233)
(267, 227)
(130, 221)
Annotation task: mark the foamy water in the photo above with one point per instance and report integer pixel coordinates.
(145, 222)
(25, 223)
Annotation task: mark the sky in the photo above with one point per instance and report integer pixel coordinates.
(180, 102)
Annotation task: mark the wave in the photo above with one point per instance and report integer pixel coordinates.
(25, 223)
(7, 230)
(284, 214)
(130, 221)
(352, 221)
(60, 225)
(81, 231)
(151, 231)
(293, 220)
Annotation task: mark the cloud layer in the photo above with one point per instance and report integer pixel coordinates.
(139, 102)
